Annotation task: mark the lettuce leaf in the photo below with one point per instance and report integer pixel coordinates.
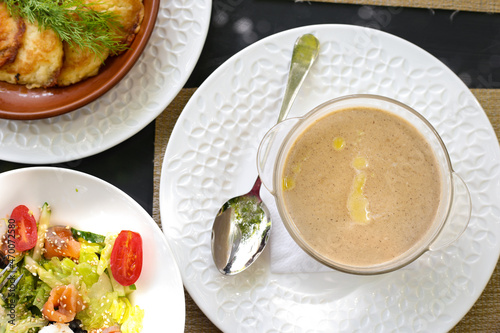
(106, 253)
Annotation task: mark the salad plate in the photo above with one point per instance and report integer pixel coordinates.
(211, 156)
(144, 92)
(87, 203)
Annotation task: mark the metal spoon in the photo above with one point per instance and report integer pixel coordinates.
(241, 227)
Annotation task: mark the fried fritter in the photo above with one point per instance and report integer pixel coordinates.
(130, 15)
(11, 32)
(78, 64)
(38, 60)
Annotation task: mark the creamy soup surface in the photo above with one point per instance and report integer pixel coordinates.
(361, 185)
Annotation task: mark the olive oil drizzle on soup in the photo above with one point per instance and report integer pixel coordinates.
(361, 185)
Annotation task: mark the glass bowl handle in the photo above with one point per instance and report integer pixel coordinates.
(269, 149)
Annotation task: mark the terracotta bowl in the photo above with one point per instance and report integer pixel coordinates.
(18, 102)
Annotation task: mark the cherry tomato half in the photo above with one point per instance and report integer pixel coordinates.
(126, 257)
(25, 231)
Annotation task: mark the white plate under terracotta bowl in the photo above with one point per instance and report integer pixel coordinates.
(152, 83)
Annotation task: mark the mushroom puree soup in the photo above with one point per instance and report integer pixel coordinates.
(361, 185)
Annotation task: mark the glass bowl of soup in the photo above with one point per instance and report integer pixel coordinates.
(364, 184)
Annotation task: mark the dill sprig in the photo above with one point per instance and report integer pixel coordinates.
(75, 22)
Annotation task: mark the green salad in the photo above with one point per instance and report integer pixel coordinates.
(69, 280)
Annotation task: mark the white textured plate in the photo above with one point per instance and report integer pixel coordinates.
(88, 203)
(159, 74)
(211, 157)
